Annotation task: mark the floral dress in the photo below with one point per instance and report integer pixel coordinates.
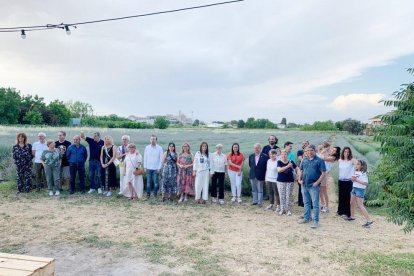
(23, 159)
(185, 179)
(169, 174)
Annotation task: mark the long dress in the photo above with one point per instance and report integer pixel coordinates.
(132, 161)
(23, 159)
(169, 174)
(185, 179)
(109, 173)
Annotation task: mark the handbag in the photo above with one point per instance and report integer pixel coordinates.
(137, 171)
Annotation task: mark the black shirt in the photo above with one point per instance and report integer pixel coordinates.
(267, 148)
(64, 145)
(287, 175)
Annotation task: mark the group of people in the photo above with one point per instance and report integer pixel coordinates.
(182, 174)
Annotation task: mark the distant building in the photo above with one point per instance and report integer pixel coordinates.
(215, 125)
(75, 121)
(173, 119)
(281, 126)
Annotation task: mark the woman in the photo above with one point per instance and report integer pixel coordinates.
(185, 173)
(51, 159)
(271, 181)
(201, 169)
(235, 161)
(346, 171)
(133, 186)
(285, 182)
(22, 155)
(333, 155)
(108, 155)
(218, 170)
(169, 173)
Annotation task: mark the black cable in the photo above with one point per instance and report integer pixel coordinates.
(62, 25)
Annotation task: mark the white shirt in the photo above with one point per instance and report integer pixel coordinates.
(271, 170)
(201, 162)
(153, 157)
(361, 177)
(346, 169)
(39, 148)
(218, 162)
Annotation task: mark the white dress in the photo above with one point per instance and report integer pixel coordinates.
(131, 162)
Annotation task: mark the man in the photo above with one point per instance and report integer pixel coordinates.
(122, 152)
(311, 173)
(288, 149)
(152, 165)
(37, 151)
(77, 155)
(62, 145)
(272, 144)
(95, 146)
(257, 164)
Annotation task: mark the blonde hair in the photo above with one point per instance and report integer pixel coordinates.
(50, 142)
(110, 139)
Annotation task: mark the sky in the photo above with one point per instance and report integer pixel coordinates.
(302, 60)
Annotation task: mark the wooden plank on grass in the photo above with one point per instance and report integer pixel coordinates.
(26, 265)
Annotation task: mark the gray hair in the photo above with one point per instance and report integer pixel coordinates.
(41, 134)
(219, 146)
(76, 137)
(125, 137)
(312, 147)
(257, 145)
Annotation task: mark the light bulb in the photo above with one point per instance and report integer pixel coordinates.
(67, 30)
(23, 34)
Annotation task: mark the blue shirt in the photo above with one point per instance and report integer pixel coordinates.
(312, 170)
(94, 148)
(76, 155)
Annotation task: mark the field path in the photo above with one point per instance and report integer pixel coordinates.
(100, 236)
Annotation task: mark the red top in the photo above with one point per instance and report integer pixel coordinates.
(235, 159)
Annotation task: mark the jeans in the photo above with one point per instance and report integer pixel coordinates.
(80, 169)
(311, 197)
(152, 174)
(52, 177)
(95, 167)
(257, 190)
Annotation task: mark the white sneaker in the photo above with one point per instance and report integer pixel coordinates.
(233, 199)
(280, 212)
(108, 193)
(269, 207)
(51, 193)
(277, 208)
(214, 200)
(289, 213)
(105, 192)
(99, 191)
(57, 193)
(221, 201)
(239, 200)
(91, 191)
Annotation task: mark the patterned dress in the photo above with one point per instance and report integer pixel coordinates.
(169, 174)
(109, 173)
(185, 179)
(23, 159)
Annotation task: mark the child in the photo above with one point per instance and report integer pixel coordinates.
(359, 183)
(51, 161)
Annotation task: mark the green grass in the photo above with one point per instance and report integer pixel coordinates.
(384, 264)
(94, 241)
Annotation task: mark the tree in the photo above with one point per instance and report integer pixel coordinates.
(161, 123)
(33, 117)
(352, 126)
(339, 125)
(283, 121)
(395, 172)
(9, 106)
(79, 109)
(320, 126)
(196, 122)
(62, 113)
(31, 103)
(240, 124)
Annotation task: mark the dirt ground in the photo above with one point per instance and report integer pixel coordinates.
(91, 235)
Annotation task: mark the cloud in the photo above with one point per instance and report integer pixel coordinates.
(356, 101)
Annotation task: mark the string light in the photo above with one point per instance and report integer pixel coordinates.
(66, 27)
(67, 30)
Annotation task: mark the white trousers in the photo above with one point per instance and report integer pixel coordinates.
(121, 178)
(235, 181)
(201, 184)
